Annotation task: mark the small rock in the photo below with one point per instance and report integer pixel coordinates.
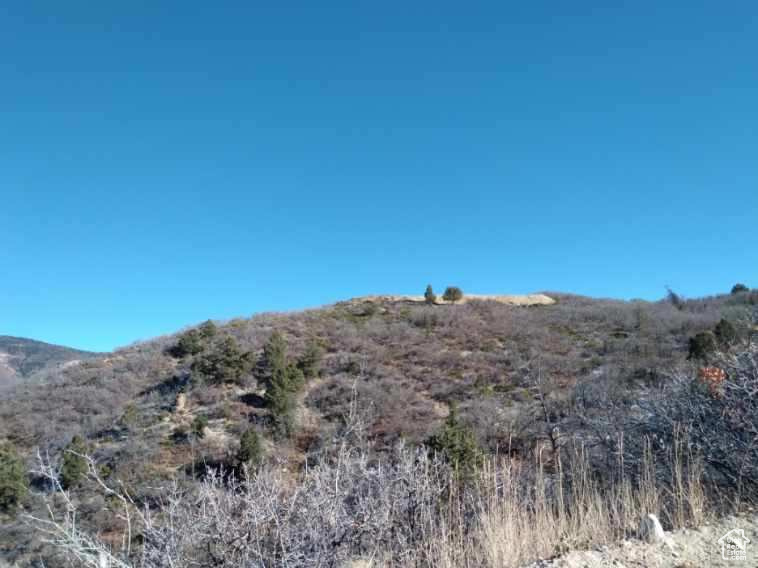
(181, 402)
(651, 529)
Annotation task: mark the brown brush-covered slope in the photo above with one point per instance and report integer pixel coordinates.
(407, 362)
(503, 366)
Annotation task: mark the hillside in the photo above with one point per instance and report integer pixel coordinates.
(21, 357)
(411, 362)
(515, 375)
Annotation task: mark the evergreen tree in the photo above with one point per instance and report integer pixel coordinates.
(310, 361)
(251, 450)
(224, 363)
(283, 380)
(74, 464)
(189, 343)
(702, 345)
(13, 481)
(675, 299)
(281, 398)
(274, 358)
(738, 288)
(452, 294)
(194, 341)
(457, 443)
(725, 333)
(429, 296)
(207, 330)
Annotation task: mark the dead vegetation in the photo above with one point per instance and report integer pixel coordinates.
(406, 508)
(580, 375)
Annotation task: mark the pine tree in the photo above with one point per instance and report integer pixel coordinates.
(452, 294)
(189, 343)
(283, 380)
(281, 403)
(725, 333)
(739, 288)
(74, 464)
(429, 296)
(281, 398)
(207, 330)
(675, 299)
(224, 363)
(251, 450)
(13, 481)
(457, 443)
(702, 345)
(274, 357)
(310, 361)
(193, 341)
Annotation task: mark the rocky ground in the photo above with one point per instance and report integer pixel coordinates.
(687, 548)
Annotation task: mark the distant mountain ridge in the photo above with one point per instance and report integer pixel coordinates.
(21, 357)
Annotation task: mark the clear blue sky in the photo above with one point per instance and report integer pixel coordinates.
(166, 162)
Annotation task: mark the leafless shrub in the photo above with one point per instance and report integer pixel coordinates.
(719, 417)
(408, 509)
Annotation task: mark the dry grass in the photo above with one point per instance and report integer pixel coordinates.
(412, 510)
(567, 509)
